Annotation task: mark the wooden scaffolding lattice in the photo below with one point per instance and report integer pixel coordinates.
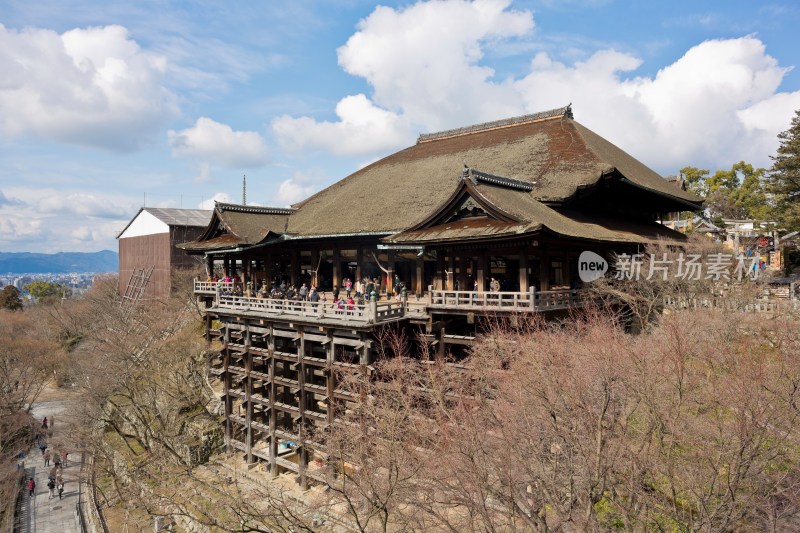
(137, 284)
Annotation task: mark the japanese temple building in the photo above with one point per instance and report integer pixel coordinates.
(514, 201)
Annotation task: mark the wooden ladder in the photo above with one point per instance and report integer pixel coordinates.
(137, 284)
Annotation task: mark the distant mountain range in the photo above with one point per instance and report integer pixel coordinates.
(60, 263)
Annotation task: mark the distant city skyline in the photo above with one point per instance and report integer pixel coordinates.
(106, 105)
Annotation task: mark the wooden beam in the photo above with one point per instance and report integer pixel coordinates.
(419, 279)
(482, 271)
(301, 379)
(523, 271)
(294, 269)
(315, 263)
(248, 393)
(544, 269)
(330, 378)
(462, 272)
(226, 387)
(337, 266)
(390, 275)
(450, 276)
(273, 415)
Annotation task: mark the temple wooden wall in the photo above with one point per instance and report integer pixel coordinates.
(157, 251)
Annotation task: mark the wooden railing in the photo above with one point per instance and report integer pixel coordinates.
(376, 312)
(563, 299)
(210, 287)
(389, 311)
(506, 301)
(369, 313)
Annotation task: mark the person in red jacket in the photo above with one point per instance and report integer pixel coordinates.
(31, 487)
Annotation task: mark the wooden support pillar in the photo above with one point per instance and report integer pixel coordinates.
(523, 271)
(359, 260)
(440, 350)
(440, 268)
(569, 260)
(294, 269)
(365, 351)
(273, 415)
(450, 271)
(330, 377)
(314, 267)
(268, 268)
(302, 402)
(482, 272)
(419, 279)
(210, 266)
(226, 387)
(463, 263)
(390, 275)
(248, 396)
(544, 270)
(337, 267)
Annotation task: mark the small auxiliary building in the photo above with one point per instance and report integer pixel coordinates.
(148, 243)
(473, 222)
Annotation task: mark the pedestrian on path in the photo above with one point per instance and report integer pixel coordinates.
(44, 423)
(64, 458)
(51, 488)
(60, 489)
(31, 487)
(47, 458)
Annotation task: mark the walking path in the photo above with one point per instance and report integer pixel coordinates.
(40, 513)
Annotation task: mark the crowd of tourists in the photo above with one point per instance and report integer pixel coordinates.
(345, 297)
(55, 460)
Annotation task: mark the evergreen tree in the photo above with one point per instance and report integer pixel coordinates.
(47, 291)
(10, 298)
(785, 176)
(737, 193)
(694, 179)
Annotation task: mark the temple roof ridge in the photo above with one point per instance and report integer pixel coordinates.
(221, 206)
(484, 177)
(560, 112)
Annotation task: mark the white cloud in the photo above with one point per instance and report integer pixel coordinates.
(218, 197)
(299, 187)
(14, 228)
(422, 62)
(89, 237)
(52, 221)
(5, 200)
(81, 204)
(203, 173)
(714, 106)
(218, 144)
(91, 86)
(362, 128)
(82, 233)
(718, 104)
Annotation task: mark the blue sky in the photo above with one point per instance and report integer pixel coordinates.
(105, 106)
